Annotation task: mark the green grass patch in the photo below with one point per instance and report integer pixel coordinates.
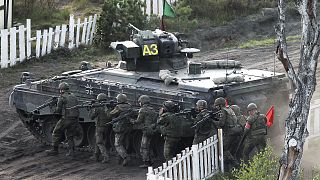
(266, 42)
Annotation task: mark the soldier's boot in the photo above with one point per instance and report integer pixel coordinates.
(70, 147)
(105, 159)
(70, 153)
(145, 164)
(52, 152)
(95, 157)
(126, 161)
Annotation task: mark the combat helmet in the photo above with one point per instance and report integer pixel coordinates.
(102, 97)
(64, 86)
(220, 102)
(144, 99)
(236, 110)
(251, 106)
(201, 104)
(169, 106)
(122, 98)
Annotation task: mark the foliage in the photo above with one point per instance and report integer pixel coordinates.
(221, 11)
(266, 42)
(114, 19)
(263, 165)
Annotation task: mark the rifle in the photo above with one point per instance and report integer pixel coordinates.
(128, 113)
(51, 102)
(192, 112)
(94, 104)
(243, 137)
(210, 115)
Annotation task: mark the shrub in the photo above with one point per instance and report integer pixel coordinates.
(263, 165)
(115, 17)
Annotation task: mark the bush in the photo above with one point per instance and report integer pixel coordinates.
(263, 165)
(115, 17)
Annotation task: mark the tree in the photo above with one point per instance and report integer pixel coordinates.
(304, 81)
(114, 19)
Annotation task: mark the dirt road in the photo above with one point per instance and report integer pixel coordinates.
(22, 156)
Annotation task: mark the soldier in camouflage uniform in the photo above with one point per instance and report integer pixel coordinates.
(227, 122)
(255, 131)
(67, 125)
(205, 129)
(241, 119)
(121, 127)
(147, 117)
(168, 129)
(101, 115)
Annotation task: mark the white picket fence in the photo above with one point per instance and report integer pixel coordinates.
(201, 161)
(155, 7)
(16, 43)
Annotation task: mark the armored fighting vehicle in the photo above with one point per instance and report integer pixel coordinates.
(158, 64)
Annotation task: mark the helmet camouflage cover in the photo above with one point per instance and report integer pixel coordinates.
(169, 105)
(220, 102)
(144, 99)
(201, 104)
(121, 98)
(101, 97)
(64, 86)
(251, 106)
(236, 109)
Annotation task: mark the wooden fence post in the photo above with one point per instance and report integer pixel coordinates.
(195, 162)
(63, 35)
(56, 37)
(4, 48)
(220, 140)
(13, 46)
(88, 30)
(28, 39)
(38, 45)
(71, 32)
(93, 28)
(22, 46)
(84, 28)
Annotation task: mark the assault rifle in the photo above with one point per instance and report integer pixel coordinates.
(192, 112)
(51, 102)
(125, 114)
(94, 104)
(210, 115)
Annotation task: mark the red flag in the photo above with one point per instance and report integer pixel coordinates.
(270, 116)
(227, 104)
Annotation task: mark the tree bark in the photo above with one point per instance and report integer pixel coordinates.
(304, 83)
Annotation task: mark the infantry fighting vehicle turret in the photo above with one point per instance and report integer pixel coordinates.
(158, 64)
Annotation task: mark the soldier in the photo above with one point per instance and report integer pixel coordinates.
(241, 119)
(205, 129)
(121, 127)
(66, 107)
(168, 129)
(147, 117)
(102, 117)
(227, 122)
(255, 131)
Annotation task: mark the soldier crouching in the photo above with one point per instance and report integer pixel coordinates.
(101, 115)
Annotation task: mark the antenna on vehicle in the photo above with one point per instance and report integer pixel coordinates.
(227, 66)
(274, 59)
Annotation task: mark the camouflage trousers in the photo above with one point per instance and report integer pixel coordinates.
(229, 159)
(170, 147)
(101, 141)
(119, 144)
(250, 143)
(67, 127)
(145, 147)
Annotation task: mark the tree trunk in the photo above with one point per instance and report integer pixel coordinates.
(304, 83)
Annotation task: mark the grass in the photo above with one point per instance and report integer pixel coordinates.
(265, 42)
